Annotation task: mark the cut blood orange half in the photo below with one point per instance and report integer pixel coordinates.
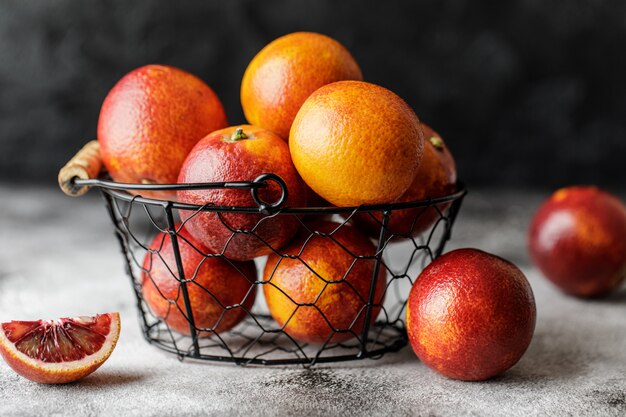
(59, 351)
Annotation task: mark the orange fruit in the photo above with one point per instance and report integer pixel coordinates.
(470, 315)
(356, 143)
(436, 177)
(326, 276)
(577, 239)
(149, 122)
(240, 153)
(219, 291)
(286, 71)
(59, 351)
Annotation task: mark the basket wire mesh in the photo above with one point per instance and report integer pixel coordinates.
(378, 326)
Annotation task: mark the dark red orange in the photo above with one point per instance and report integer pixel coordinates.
(240, 153)
(578, 240)
(220, 292)
(470, 315)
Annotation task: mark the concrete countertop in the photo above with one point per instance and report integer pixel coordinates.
(59, 257)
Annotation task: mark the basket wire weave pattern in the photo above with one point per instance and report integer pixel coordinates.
(258, 338)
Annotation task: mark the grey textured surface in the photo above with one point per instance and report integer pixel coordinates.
(59, 257)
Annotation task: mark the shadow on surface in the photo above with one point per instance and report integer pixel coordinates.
(617, 298)
(404, 355)
(109, 378)
(551, 356)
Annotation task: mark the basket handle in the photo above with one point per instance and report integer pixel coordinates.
(86, 164)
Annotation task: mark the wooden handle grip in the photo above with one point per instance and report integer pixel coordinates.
(86, 164)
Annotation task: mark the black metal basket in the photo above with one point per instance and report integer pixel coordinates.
(258, 338)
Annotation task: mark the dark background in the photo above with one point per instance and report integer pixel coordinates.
(526, 92)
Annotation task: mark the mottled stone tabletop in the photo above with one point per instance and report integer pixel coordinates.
(59, 257)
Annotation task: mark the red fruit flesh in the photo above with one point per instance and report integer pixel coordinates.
(61, 340)
(59, 351)
(470, 315)
(578, 240)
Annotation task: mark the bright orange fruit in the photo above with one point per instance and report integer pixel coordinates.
(149, 122)
(319, 293)
(286, 71)
(356, 143)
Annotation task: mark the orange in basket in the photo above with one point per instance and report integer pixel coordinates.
(321, 296)
(149, 122)
(436, 177)
(356, 143)
(286, 71)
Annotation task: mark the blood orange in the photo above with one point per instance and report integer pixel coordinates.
(59, 351)
(356, 143)
(240, 153)
(436, 177)
(149, 122)
(220, 292)
(286, 71)
(318, 289)
(470, 315)
(578, 240)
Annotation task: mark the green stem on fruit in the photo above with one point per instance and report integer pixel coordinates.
(437, 142)
(238, 135)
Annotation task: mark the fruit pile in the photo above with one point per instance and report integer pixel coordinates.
(334, 140)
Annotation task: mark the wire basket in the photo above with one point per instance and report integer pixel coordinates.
(232, 322)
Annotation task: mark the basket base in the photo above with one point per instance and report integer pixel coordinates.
(247, 344)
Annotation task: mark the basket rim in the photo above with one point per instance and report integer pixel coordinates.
(120, 191)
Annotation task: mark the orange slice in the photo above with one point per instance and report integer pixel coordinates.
(59, 351)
